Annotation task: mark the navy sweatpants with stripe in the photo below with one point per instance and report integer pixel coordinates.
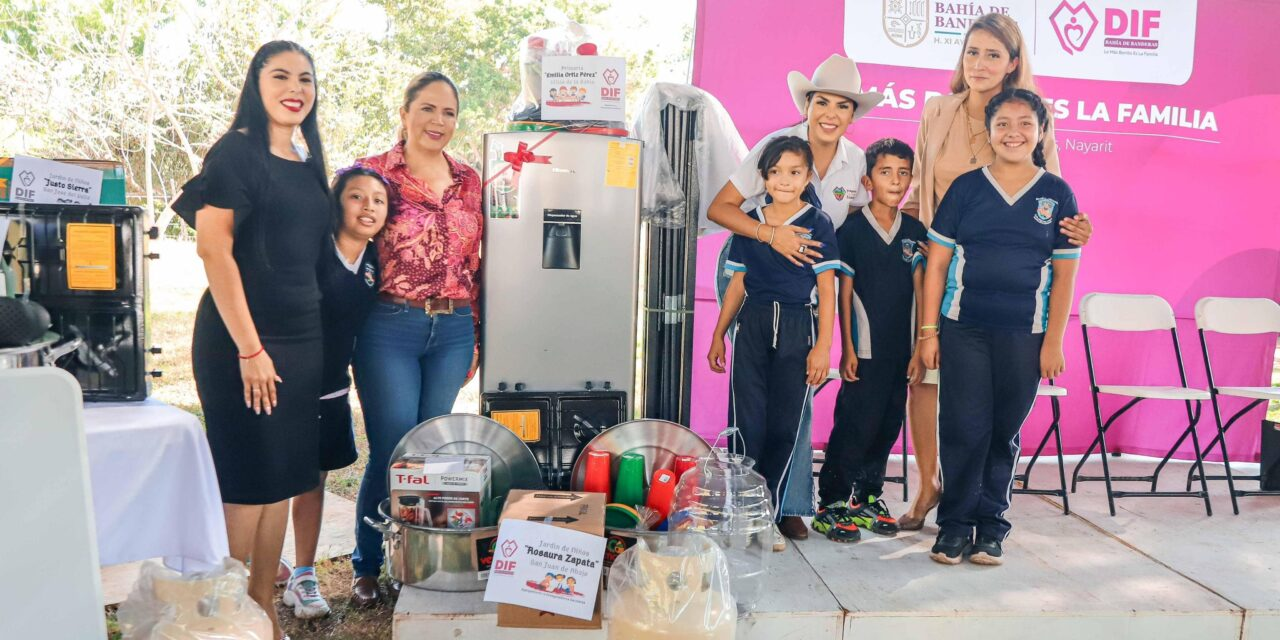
(767, 387)
(868, 419)
(987, 382)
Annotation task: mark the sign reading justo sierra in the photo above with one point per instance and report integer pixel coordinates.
(1149, 41)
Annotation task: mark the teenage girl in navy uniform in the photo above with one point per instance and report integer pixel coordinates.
(999, 281)
(780, 349)
(348, 276)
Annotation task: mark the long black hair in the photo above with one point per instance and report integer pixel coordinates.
(251, 114)
(772, 154)
(1032, 100)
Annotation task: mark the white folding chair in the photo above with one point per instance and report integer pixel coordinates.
(1052, 392)
(1237, 316)
(1119, 312)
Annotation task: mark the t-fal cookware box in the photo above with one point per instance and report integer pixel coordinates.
(440, 490)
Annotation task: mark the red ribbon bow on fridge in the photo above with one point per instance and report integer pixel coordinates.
(523, 155)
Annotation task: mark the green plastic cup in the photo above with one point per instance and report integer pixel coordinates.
(629, 489)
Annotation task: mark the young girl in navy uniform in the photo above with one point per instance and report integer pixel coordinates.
(999, 282)
(781, 348)
(348, 278)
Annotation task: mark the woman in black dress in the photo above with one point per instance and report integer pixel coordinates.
(260, 207)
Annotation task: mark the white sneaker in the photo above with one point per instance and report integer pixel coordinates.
(283, 573)
(303, 594)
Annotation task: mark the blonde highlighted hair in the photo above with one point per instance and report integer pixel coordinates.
(1004, 29)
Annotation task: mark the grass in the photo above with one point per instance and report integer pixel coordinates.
(176, 285)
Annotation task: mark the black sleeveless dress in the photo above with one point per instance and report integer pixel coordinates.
(282, 221)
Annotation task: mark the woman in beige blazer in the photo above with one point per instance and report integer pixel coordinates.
(952, 141)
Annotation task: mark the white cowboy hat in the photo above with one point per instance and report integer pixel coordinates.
(836, 75)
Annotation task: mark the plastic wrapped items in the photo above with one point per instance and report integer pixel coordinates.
(165, 605)
(700, 137)
(680, 591)
(566, 38)
(725, 498)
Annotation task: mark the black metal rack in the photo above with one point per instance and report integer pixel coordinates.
(107, 313)
(672, 258)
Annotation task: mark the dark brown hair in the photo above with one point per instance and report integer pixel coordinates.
(1032, 100)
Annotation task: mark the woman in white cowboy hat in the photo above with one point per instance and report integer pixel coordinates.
(830, 101)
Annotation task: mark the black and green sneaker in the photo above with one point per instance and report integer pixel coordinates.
(836, 522)
(873, 516)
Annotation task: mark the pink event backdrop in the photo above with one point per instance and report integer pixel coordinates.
(1181, 212)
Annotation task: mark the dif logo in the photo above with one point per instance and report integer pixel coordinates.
(505, 564)
(611, 92)
(1075, 24)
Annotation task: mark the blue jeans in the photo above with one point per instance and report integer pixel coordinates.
(409, 367)
(797, 496)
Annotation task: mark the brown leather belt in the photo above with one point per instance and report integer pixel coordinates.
(431, 306)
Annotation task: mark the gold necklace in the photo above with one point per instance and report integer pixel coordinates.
(973, 158)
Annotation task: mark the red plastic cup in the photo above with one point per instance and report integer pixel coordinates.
(661, 492)
(597, 478)
(683, 464)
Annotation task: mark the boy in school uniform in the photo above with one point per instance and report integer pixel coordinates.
(879, 281)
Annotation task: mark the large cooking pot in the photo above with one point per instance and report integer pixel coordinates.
(456, 559)
(434, 558)
(43, 352)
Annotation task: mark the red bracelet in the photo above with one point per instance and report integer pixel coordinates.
(255, 353)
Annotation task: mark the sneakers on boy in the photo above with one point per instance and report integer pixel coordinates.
(836, 522)
(949, 548)
(873, 516)
(303, 594)
(987, 550)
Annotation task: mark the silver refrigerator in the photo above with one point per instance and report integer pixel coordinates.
(559, 287)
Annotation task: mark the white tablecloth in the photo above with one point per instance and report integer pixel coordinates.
(155, 492)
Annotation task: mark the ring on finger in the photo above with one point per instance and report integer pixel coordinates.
(802, 249)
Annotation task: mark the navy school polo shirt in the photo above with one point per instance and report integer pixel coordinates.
(1001, 270)
(881, 263)
(347, 298)
(772, 278)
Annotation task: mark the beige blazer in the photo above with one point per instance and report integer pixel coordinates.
(935, 124)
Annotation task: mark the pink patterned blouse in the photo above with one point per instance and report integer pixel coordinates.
(430, 247)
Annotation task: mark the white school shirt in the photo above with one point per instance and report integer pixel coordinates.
(840, 190)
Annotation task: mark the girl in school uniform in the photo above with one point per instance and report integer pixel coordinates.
(952, 141)
(348, 275)
(998, 289)
(830, 102)
(781, 347)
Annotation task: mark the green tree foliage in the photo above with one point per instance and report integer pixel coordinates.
(153, 83)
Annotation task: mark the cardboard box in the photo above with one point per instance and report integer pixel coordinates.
(440, 490)
(113, 179)
(569, 509)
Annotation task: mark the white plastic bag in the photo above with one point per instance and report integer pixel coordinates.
(680, 591)
(166, 605)
(716, 153)
(563, 39)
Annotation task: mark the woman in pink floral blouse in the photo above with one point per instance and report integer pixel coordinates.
(419, 345)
